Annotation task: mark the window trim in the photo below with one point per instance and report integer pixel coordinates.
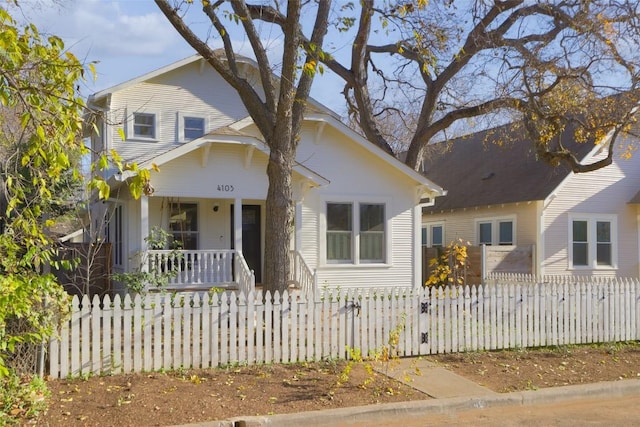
(495, 229)
(592, 257)
(355, 230)
(428, 227)
(130, 135)
(180, 137)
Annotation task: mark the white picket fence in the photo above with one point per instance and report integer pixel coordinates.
(202, 330)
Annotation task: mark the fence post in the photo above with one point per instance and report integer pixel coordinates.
(424, 307)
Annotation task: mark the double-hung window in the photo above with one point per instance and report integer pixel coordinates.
(433, 235)
(496, 231)
(144, 125)
(356, 238)
(190, 126)
(592, 241)
(340, 232)
(372, 244)
(193, 128)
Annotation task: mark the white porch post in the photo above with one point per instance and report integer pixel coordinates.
(237, 224)
(417, 247)
(297, 238)
(144, 227)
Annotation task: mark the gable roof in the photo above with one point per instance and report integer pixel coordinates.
(95, 98)
(478, 171)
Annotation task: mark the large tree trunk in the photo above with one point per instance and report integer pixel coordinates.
(279, 217)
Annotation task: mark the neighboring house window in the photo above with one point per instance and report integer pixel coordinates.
(144, 125)
(433, 235)
(339, 232)
(486, 235)
(357, 238)
(183, 225)
(496, 232)
(592, 242)
(505, 233)
(193, 128)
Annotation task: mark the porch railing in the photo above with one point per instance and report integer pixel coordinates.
(203, 268)
(245, 278)
(301, 275)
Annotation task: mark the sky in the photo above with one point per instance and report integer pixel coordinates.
(131, 37)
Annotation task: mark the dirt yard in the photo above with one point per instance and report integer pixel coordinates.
(159, 399)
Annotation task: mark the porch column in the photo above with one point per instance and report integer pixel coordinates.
(416, 216)
(144, 226)
(237, 224)
(297, 238)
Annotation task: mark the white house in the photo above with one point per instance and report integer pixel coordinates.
(358, 209)
(500, 194)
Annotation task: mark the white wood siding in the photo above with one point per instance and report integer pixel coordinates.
(605, 191)
(356, 175)
(186, 177)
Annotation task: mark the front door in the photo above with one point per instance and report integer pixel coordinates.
(251, 238)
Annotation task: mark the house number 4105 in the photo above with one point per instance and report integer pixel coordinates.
(225, 187)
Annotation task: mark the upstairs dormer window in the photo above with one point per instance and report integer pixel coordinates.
(190, 125)
(144, 125)
(193, 128)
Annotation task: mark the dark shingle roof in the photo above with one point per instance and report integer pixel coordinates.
(477, 171)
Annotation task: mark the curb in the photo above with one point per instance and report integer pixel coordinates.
(362, 414)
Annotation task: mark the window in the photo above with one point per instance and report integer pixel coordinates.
(193, 128)
(372, 232)
(603, 243)
(505, 234)
(496, 232)
(580, 243)
(433, 235)
(592, 241)
(359, 238)
(485, 233)
(183, 225)
(190, 126)
(339, 232)
(144, 125)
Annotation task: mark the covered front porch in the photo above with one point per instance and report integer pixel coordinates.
(213, 244)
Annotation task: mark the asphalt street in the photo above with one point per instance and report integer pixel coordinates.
(617, 411)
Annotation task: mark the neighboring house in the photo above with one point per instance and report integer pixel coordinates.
(357, 209)
(500, 194)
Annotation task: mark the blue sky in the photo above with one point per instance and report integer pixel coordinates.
(132, 37)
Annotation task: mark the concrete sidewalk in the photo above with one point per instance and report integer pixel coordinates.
(433, 380)
(450, 392)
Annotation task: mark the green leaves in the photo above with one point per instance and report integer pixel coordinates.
(43, 110)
